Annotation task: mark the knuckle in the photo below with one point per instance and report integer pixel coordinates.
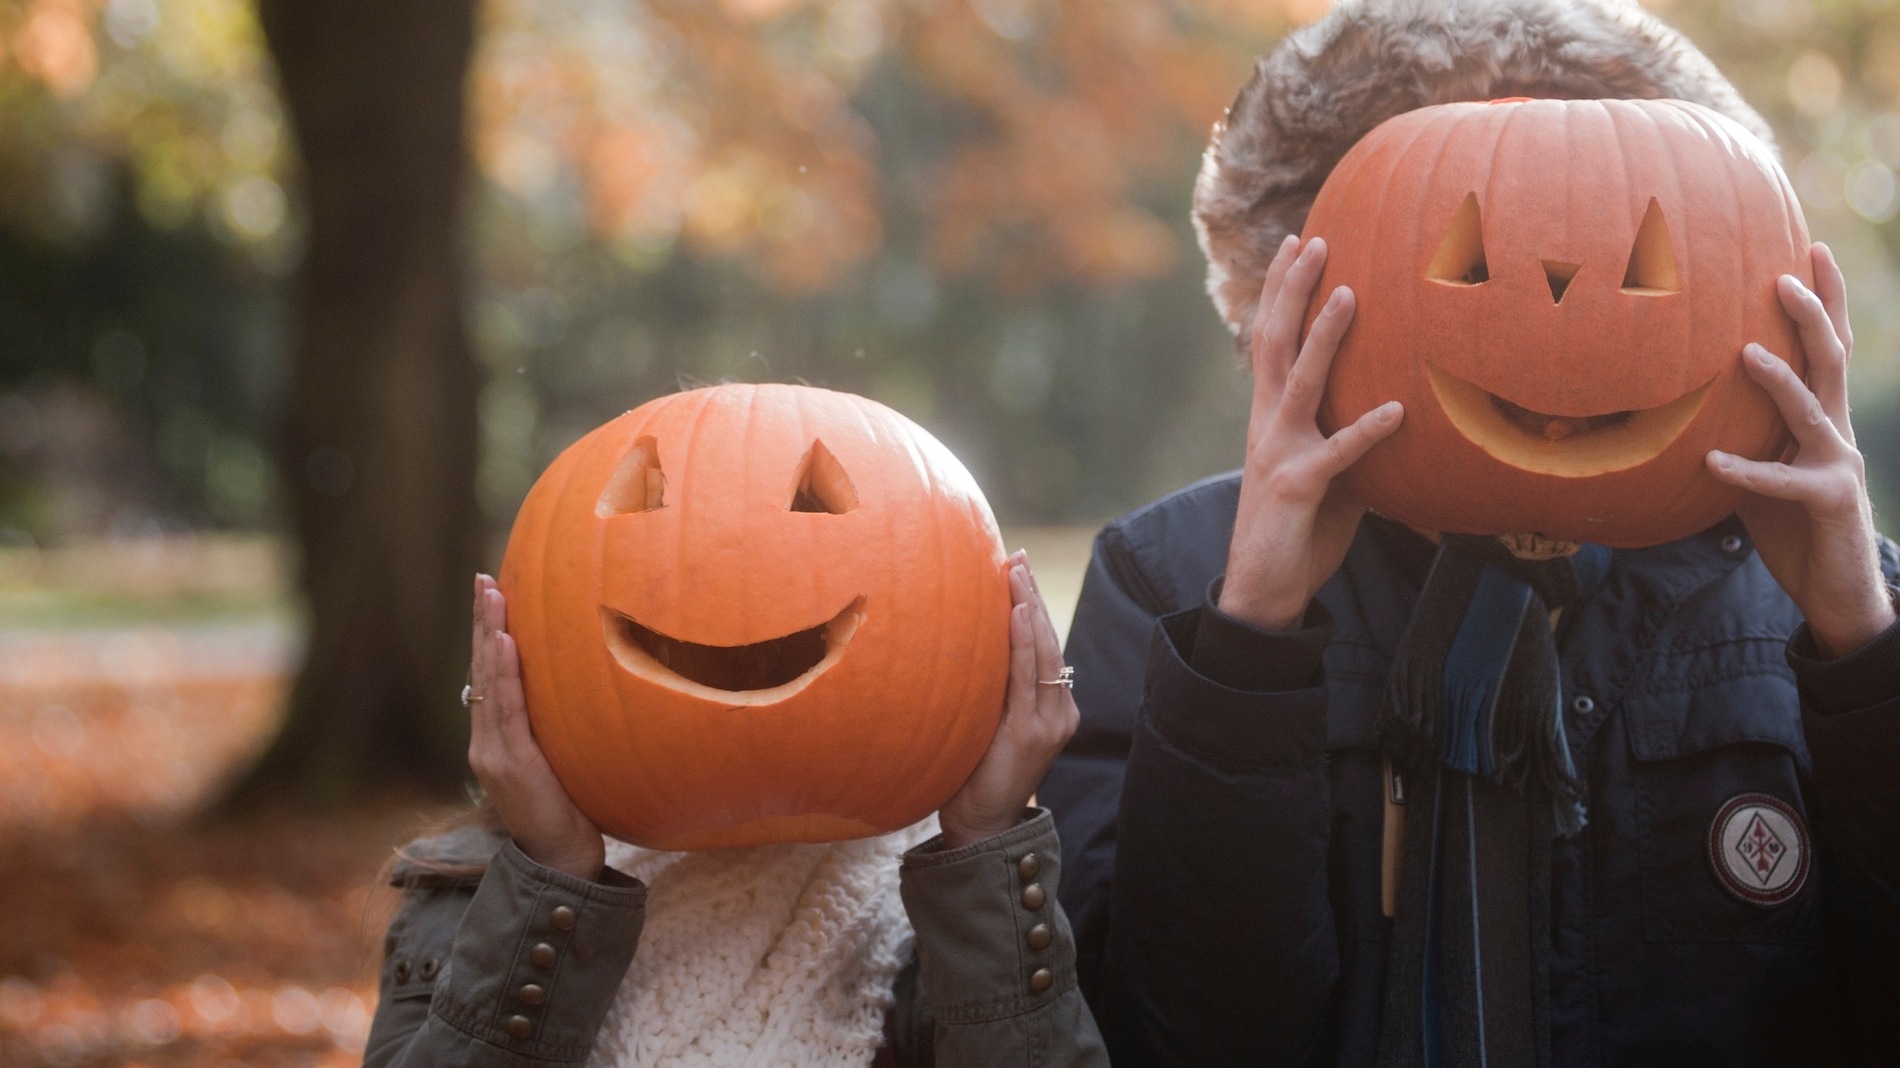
(1338, 451)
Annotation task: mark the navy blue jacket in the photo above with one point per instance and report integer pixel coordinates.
(1223, 841)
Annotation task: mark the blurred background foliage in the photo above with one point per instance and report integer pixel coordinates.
(975, 212)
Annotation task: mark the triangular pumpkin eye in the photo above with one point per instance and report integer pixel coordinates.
(822, 484)
(1460, 259)
(638, 484)
(1652, 269)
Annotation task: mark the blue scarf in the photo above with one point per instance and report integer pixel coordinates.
(1474, 725)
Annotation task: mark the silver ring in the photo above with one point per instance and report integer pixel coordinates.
(469, 697)
(1064, 678)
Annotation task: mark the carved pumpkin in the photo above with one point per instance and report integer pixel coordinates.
(1559, 292)
(753, 614)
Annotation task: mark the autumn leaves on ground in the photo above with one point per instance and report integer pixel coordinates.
(134, 928)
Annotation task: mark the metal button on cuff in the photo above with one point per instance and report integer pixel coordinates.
(401, 971)
(562, 918)
(1583, 704)
(1030, 866)
(1039, 937)
(428, 969)
(1732, 543)
(519, 1026)
(542, 955)
(532, 994)
(1034, 896)
(1040, 980)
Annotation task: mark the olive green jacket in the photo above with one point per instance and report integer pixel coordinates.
(516, 966)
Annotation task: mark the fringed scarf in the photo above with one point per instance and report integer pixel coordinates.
(1474, 723)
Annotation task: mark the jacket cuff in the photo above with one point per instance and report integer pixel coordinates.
(991, 942)
(1868, 676)
(1223, 726)
(538, 957)
(1243, 656)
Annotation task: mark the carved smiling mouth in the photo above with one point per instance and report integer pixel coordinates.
(755, 674)
(1569, 446)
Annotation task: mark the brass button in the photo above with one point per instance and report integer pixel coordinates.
(429, 968)
(401, 974)
(1039, 980)
(532, 994)
(1040, 936)
(521, 1026)
(1034, 895)
(542, 955)
(1030, 866)
(562, 918)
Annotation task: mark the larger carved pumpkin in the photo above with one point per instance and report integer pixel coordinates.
(1559, 292)
(753, 614)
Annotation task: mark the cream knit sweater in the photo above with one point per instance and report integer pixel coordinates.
(776, 955)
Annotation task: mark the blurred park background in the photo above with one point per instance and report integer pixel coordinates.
(298, 296)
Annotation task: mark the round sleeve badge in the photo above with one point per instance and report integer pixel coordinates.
(1758, 846)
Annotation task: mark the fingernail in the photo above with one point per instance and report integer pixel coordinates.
(1389, 411)
(1721, 459)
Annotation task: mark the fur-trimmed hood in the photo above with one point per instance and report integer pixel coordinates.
(1328, 84)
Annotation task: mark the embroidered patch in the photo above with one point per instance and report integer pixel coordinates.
(1758, 846)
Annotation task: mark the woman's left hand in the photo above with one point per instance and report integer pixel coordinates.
(1810, 517)
(1038, 718)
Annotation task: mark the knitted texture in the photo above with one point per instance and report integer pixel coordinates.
(777, 955)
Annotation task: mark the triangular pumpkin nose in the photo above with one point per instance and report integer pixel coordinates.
(1559, 276)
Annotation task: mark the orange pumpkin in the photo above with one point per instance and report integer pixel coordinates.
(1559, 292)
(753, 614)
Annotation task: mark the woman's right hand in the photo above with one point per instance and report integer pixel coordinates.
(507, 761)
(1296, 518)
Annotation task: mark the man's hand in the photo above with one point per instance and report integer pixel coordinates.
(1295, 520)
(1038, 718)
(1810, 517)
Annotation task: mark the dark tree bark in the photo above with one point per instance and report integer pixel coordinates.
(380, 439)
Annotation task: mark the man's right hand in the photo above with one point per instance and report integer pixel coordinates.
(1296, 519)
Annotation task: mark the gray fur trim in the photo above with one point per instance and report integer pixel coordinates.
(1329, 83)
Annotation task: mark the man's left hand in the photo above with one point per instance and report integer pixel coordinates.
(1810, 517)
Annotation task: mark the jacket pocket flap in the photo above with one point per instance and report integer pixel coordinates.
(1730, 696)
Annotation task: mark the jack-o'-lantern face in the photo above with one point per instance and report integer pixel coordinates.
(1559, 292)
(758, 613)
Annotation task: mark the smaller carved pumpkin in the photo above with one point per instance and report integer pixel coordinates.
(1559, 292)
(753, 614)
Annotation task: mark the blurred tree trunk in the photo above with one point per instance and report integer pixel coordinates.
(380, 440)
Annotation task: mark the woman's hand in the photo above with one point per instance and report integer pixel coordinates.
(1295, 520)
(506, 760)
(1038, 718)
(1810, 517)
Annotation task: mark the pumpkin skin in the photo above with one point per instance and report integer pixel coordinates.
(1597, 266)
(731, 517)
